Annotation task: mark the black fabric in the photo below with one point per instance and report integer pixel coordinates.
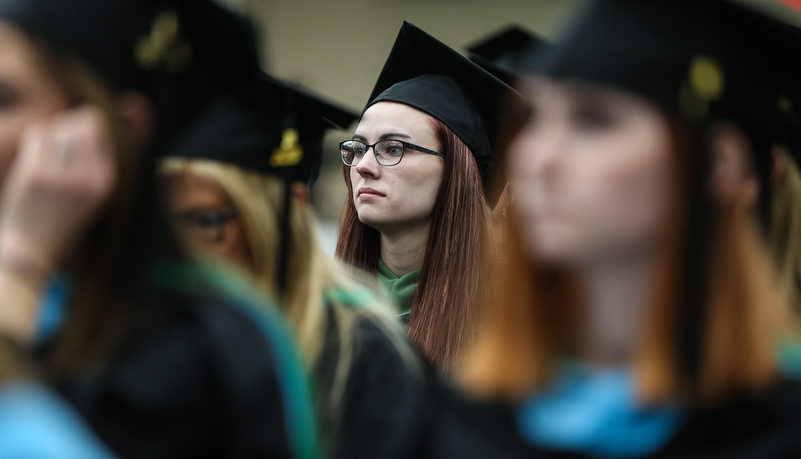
(194, 379)
(651, 48)
(505, 52)
(765, 428)
(384, 402)
(210, 47)
(245, 128)
(426, 74)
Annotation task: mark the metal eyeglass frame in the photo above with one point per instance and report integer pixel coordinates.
(406, 145)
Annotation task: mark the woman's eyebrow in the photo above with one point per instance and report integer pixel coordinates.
(388, 135)
(392, 135)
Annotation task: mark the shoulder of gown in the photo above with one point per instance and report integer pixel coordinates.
(741, 428)
(195, 378)
(35, 422)
(386, 397)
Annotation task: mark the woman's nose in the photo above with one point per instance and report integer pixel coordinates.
(368, 166)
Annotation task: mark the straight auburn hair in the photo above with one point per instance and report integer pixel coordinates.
(536, 314)
(453, 279)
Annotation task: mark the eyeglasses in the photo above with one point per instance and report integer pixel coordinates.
(387, 152)
(205, 226)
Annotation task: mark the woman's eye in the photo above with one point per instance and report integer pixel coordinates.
(206, 220)
(394, 151)
(8, 97)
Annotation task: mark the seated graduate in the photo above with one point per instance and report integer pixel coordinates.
(416, 215)
(637, 312)
(159, 357)
(239, 191)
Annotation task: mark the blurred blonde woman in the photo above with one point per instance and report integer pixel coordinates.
(238, 191)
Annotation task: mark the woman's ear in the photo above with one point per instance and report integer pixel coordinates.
(137, 114)
(733, 180)
(301, 193)
(780, 158)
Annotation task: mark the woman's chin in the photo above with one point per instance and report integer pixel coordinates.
(553, 249)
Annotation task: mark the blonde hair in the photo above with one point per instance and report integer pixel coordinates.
(315, 279)
(785, 230)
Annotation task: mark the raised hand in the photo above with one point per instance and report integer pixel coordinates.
(64, 173)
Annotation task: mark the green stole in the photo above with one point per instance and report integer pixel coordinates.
(400, 289)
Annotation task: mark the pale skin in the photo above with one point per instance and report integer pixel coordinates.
(398, 200)
(59, 169)
(190, 193)
(591, 178)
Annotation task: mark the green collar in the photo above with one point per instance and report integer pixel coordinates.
(400, 289)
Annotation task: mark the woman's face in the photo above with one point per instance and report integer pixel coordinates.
(589, 173)
(28, 92)
(399, 197)
(206, 219)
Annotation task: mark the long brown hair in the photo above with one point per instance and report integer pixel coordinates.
(536, 315)
(452, 279)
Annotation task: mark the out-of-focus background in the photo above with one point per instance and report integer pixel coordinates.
(338, 47)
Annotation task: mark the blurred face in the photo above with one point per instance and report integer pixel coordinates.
(206, 219)
(392, 198)
(589, 173)
(28, 92)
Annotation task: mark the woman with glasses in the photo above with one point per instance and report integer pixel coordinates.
(415, 214)
(637, 313)
(160, 357)
(238, 190)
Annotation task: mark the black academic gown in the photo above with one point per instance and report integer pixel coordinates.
(385, 400)
(194, 378)
(764, 428)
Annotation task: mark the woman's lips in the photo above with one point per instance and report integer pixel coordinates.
(369, 194)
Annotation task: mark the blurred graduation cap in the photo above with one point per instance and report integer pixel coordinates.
(272, 128)
(786, 80)
(426, 74)
(175, 51)
(704, 60)
(503, 52)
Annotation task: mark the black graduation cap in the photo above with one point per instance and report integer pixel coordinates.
(176, 51)
(504, 52)
(271, 127)
(703, 60)
(426, 74)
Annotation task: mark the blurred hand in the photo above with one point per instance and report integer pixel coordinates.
(63, 175)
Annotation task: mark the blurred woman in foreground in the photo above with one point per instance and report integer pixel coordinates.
(156, 356)
(637, 313)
